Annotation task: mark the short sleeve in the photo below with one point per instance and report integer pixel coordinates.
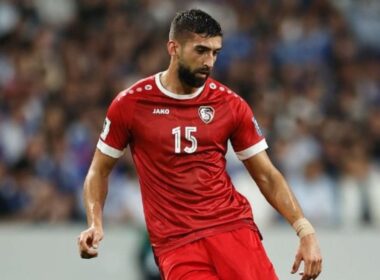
(247, 138)
(115, 134)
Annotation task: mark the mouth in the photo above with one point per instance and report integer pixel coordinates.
(203, 73)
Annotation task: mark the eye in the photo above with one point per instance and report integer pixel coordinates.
(200, 50)
(215, 53)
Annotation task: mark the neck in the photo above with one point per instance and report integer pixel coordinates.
(170, 80)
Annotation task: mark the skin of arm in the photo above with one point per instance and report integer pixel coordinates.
(95, 193)
(273, 186)
(277, 192)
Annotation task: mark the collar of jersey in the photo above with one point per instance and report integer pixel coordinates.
(176, 95)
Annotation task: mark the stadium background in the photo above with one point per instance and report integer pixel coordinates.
(310, 70)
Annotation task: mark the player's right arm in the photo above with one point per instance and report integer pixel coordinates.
(112, 142)
(95, 192)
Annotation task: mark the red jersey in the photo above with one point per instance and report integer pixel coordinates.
(178, 144)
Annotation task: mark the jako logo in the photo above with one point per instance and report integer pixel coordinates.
(161, 111)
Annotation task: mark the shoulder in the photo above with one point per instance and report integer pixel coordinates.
(128, 97)
(238, 107)
(222, 91)
(135, 91)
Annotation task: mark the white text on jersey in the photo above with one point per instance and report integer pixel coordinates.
(161, 111)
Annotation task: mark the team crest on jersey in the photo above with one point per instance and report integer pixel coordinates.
(206, 113)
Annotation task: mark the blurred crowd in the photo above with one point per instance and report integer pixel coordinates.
(310, 70)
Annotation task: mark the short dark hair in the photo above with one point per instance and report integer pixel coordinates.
(194, 21)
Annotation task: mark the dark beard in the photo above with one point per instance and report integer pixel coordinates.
(189, 78)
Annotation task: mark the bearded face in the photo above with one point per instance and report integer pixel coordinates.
(192, 78)
(195, 59)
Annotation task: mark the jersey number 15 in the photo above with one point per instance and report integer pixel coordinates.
(177, 139)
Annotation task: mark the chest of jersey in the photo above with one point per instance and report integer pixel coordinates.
(180, 128)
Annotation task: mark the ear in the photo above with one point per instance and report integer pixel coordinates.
(172, 47)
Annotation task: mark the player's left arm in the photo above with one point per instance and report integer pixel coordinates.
(277, 192)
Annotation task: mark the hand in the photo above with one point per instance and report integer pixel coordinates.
(88, 242)
(310, 254)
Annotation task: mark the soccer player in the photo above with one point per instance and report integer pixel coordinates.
(177, 124)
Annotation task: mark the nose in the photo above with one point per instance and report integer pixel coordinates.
(209, 61)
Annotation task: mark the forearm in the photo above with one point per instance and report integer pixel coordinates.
(94, 197)
(279, 195)
(95, 193)
(277, 192)
(274, 187)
